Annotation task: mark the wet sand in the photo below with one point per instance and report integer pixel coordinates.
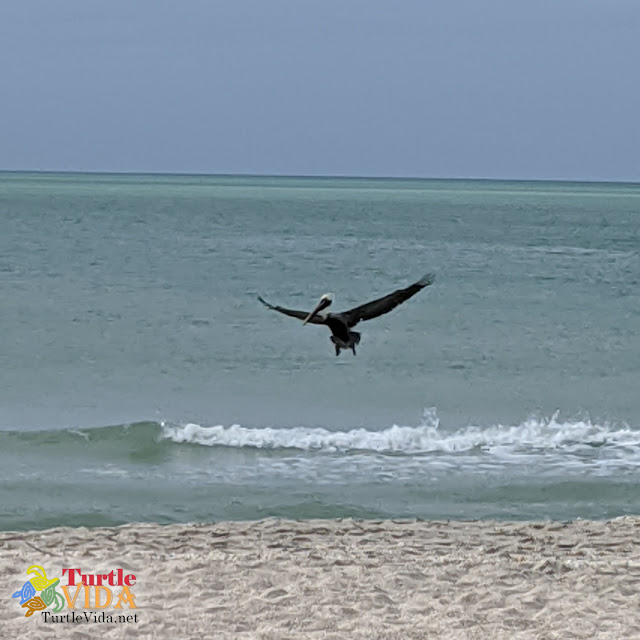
(334, 579)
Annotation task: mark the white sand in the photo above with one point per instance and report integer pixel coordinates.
(279, 579)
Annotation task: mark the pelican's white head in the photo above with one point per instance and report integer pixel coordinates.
(323, 303)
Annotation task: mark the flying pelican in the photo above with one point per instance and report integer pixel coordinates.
(341, 323)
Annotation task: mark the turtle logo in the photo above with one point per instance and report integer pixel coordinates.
(47, 588)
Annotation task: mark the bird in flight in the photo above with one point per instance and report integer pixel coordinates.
(341, 324)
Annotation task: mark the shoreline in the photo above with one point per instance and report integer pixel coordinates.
(276, 579)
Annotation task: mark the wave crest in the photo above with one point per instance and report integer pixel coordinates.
(533, 435)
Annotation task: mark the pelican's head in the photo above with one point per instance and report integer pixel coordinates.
(323, 303)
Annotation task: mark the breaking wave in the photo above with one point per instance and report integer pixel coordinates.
(533, 435)
(554, 439)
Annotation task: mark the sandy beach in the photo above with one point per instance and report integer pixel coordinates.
(277, 579)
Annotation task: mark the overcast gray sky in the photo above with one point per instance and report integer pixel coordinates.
(436, 88)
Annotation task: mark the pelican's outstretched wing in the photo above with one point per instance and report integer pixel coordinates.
(301, 315)
(383, 305)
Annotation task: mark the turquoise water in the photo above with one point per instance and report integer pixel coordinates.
(140, 379)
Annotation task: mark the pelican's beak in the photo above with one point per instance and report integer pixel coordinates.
(324, 302)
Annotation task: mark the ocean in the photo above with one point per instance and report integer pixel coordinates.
(141, 379)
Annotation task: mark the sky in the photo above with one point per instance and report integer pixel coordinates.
(516, 89)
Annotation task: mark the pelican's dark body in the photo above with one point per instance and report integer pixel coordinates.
(341, 337)
(341, 324)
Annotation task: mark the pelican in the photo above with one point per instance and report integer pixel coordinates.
(341, 324)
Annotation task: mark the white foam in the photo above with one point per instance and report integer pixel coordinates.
(533, 435)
